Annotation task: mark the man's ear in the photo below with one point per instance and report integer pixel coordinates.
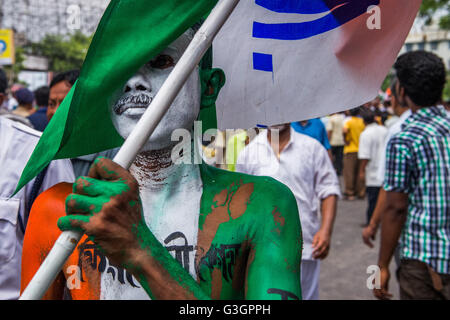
(212, 80)
(401, 96)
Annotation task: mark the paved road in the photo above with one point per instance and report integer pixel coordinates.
(344, 272)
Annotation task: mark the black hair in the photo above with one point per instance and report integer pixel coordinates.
(355, 112)
(422, 75)
(368, 117)
(3, 81)
(68, 76)
(41, 96)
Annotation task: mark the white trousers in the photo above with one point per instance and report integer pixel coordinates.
(310, 271)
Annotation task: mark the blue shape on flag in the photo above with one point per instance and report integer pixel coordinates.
(340, 12)
(262, 62)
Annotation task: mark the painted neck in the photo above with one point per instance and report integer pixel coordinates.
(155, 169)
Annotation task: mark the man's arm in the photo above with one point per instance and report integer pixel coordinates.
(362, 169)
(369, 232)
(392, 224)
(322, 239)
(397, 184)
(41, 234)
(273, 267)
(326, 186)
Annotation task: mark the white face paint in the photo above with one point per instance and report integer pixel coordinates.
(142, 88)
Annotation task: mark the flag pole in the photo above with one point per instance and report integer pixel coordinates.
(68, 240)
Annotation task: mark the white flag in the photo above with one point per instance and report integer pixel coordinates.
(292, 60)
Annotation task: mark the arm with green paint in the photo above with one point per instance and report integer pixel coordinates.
(106, 206)
(273, 270)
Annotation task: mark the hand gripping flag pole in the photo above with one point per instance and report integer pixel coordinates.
(202, 40)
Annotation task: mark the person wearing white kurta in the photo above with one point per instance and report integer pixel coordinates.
(17, 144)
(305, 167)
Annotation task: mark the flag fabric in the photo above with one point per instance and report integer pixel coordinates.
(130, 33)
(293, 60)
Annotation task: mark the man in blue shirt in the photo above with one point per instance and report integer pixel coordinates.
(315, 129)
(39, 118)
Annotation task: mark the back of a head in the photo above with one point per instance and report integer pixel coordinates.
(368, 117)
(3, 82)
(24, 96)
(355, 112)
(67, 76)
(41, 96)
(422, 74)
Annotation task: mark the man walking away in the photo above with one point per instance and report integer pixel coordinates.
(371, 143)
(417, 185)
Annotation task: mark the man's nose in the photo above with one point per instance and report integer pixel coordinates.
(138, 83)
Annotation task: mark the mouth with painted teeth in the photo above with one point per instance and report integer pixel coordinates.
(137, 101)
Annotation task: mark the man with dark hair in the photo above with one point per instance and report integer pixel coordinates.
(417, 185)
(59, 88)
(25, 98)
(39, 118)
(370, 143)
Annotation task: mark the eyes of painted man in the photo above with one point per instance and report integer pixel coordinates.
(162, 61)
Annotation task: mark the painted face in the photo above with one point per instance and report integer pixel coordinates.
(142, 88)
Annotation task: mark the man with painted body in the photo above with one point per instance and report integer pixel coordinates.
(165, 230)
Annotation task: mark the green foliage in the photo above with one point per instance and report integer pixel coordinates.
(430, 7)
(447, 88)
(13, 70)
(63, 53)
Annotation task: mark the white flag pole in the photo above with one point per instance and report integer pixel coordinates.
(202, 40)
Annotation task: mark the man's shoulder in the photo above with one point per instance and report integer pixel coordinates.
(259, 197)
(19, 128)
(50, 204)
(305, 142)
(220, 179)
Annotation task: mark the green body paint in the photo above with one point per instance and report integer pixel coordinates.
(249, 241)
(264, 233)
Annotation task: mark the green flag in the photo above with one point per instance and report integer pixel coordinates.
(130, 33)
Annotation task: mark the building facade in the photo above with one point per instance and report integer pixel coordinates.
(430, 38)
(31, 20)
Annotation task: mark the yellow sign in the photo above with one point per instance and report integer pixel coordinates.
(6, 47)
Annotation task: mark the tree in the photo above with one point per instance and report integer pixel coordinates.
(63, 53)
(447, 89)
(13, 70)
(430, 7)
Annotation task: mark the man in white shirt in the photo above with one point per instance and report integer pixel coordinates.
(403, 112)
(17, 144)
(302, 164)
(371, 142)
(335, 126)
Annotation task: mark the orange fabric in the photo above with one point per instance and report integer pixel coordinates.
(42, 232)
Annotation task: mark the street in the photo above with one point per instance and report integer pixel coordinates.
(343, 274)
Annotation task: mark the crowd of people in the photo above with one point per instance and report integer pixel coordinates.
(393, 151)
